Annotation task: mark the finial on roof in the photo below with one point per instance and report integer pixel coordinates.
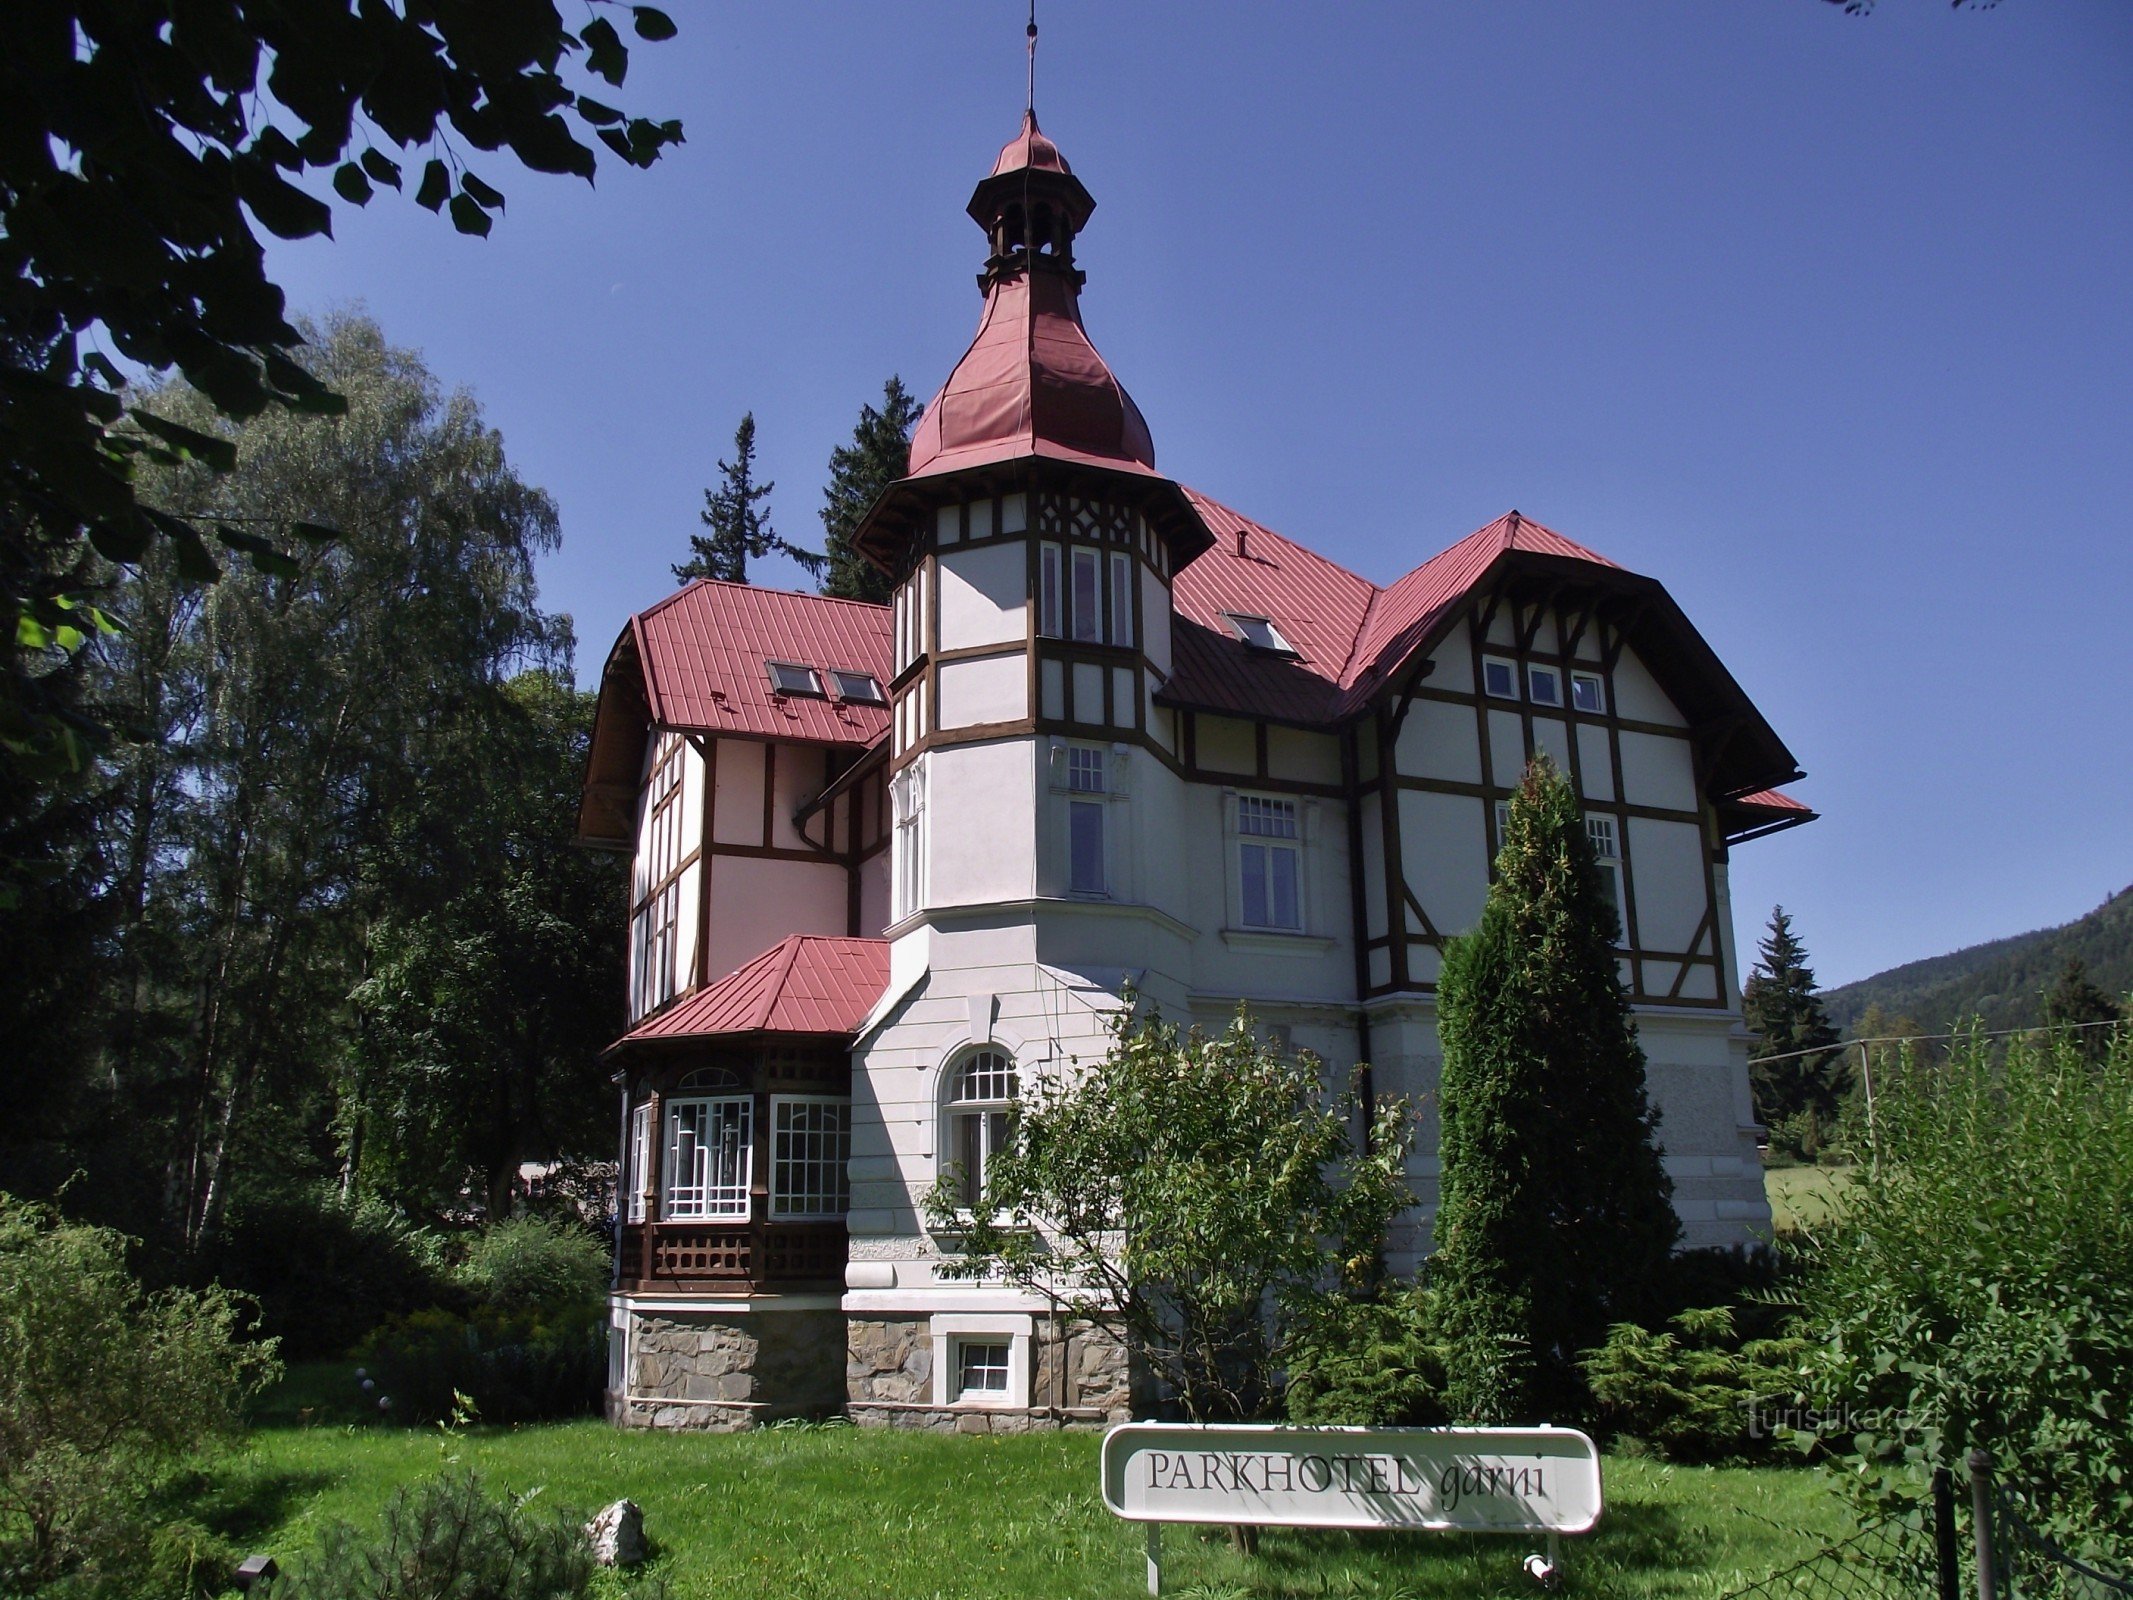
(1031, 104)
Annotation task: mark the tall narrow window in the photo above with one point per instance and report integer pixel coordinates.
(1606, 846)
(1086, 787)
(810, 1147)
(980, 1117)
(908, 794)
(1048, 591)
(710, 1158)
(1086, 601)
(656, 915)
(640, 1158)
(1267, 863)
(1121, 597)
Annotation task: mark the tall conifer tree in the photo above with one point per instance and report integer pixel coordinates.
(734, 512)
(1796, 1095)
(1555, 1218)
(876, 457)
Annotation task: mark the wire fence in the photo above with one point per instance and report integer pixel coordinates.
(1965, 1542)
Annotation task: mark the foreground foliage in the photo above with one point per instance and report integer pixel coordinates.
(1556, 1217)
(1975, 1286)
(1187, 1189)
(103, 1389)
(864, 1514)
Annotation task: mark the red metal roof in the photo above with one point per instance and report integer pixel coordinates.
(804, 984)
(1769, 800)
(1031, 383)
(704, 652)
(1349, 634)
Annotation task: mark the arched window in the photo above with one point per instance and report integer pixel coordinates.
(981, 1097)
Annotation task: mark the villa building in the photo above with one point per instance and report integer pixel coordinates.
(889, 862)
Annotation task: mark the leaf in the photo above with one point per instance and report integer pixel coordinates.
(609, 58)
(30, 634)
(436, 184)
(350, 184)
(315, 532)
(596, 112)
(468, 217)
(482, 193)
(190, 444)
(100, 364)
(652, 24)
(382, 168)
(283, 210)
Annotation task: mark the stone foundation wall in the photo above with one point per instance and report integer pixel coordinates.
(721, 1371)
(889, 1379)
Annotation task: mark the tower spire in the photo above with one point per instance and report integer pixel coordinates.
(1030, 104)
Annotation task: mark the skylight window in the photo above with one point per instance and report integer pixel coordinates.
(786, 678)
(859, 688)
(1259, 633)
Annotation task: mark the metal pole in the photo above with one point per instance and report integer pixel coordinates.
(1155, 1558)
(1950, 1574)
(1873, 1138)
(1988, 1587)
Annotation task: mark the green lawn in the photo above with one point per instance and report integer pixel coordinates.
(846, 1512)
(1802, 1197)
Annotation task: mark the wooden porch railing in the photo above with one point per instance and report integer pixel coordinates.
(729, 1256)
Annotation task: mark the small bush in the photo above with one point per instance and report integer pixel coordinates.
(1696, 1392)
(1368, 1363)
(529, 1266)
(450, 1539)
(103, 1390)
(1975, 1285)
(326, 1272)
(514, 1368)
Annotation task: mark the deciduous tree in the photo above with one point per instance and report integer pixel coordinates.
(1555, 1218)
(1197, 1193)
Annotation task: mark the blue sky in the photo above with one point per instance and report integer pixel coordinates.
(1825, 322)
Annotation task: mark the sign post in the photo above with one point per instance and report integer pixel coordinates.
(1465, 1480)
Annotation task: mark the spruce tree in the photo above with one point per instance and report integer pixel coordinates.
(2076, 1003)
(1555, 1216)
(738, 521)
(877, 456)
(1796, 1095)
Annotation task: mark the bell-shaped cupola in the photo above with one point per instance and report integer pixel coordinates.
(1031, 383)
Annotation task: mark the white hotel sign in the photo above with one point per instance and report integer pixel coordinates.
(1467, 1480)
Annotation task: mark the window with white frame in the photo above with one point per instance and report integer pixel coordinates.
(858, 688)
(1121, 597)
(907, 795)
(1269, 863)
(981, 1368)
(639, 1164)
(1049, 591)
(1499, 678)
(789, 678)
(1503, 823)
(810, 1150)
(655, 919)
(1085, 598)
(981, 1100)
(710, 1158)
(1087, 784)
(1588, 692)
(981, 1358)
(1259, 633)
(1606, 847)
(1545, 684)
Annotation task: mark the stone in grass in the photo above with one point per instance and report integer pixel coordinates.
(617, 1535)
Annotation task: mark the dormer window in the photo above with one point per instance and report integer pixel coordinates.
(1259, 633)
(859, 688)
(786, 678)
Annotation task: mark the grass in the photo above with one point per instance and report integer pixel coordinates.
(1803, 1197)
(789, 1514)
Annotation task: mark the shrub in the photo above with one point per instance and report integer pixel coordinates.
(529, 1266)
(103, 1389)
(1975, 1286)
(449, 1539)
(324, 1271)
(514, 1368)
(1368, 1363)
(1696, 1392)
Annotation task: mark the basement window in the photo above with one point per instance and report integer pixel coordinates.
(786, 678)
(1259, 633)
(858, 688)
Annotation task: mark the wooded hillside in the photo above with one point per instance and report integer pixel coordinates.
(2003, 981)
